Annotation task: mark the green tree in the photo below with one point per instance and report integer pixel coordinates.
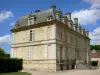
(96, 47)
(3, 54)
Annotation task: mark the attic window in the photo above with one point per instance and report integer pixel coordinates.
(49, 17)
(31, 19)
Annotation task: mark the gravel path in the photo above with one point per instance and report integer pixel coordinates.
(68, 72)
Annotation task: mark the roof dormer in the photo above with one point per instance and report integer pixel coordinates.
(31, 19)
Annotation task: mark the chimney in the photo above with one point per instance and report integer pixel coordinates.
(64, 19)
(36, 11)
(87, 33)
(53, 6)
(68, 15)
(76, 21)
(83, 31)
(70, 23)
(59, 15)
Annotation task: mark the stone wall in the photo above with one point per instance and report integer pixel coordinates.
(42, 65)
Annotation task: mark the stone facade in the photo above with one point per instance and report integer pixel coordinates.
(49, 44)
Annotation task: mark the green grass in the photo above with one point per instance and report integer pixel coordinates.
(16, 73)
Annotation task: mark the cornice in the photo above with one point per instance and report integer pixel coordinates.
(46, 24)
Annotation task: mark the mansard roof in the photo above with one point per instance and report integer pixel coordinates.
(40, 17)
(45, 16)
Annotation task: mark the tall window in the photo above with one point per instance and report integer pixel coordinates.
(30, 35)
(61, 52)
(30, 53)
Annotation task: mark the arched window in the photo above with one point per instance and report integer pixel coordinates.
(31, 35)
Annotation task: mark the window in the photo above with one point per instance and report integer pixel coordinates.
(30, 35)
(30, 53)
(49, 17)
(61, 52)
(31, 19)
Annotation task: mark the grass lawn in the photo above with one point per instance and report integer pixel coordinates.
(16, 73)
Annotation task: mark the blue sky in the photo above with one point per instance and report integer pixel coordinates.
(88, 12)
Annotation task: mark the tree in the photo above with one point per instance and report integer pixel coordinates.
(96, 47)
(3, 54)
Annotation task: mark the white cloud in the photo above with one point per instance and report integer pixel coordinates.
(95, 6)
(92, 1)
(95, 36)
(5, 15)
(12, 23)
(5, 39)
(87, 16)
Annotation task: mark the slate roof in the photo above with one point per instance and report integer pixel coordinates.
(40, 17)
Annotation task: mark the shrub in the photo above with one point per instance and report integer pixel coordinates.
(94, 63)
(10, 65)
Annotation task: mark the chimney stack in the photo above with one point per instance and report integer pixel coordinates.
(87, 33)
(76, 21)
(59, 15)
(36, 11)
(68, 15)
(64, 19)
(53, 6)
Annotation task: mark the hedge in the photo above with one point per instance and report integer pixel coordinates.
(94, 63)
(10, 65)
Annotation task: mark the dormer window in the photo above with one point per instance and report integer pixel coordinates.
(31, 19)
(49, 17)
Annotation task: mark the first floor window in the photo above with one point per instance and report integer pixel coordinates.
(30, 53)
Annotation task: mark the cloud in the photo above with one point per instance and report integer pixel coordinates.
(5, 40)
(92, 1)
(87, 16)
(95, 36)
(12, 23)
(4, 15)
(95, 6)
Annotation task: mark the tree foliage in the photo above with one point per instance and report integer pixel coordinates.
(10, 65)
(3, 54)
(96, 47)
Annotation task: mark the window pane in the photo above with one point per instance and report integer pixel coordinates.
(31, 35)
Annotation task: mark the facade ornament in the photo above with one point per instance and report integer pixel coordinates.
(49, 17)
